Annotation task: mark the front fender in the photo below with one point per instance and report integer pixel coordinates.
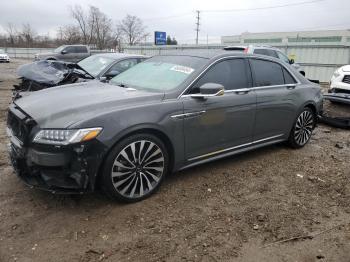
(143, 118)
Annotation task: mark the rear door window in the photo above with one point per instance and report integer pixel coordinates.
(266, 73)
(232, 74)
(80, 49)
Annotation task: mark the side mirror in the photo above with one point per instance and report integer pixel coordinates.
(103, 79)
(209, 90)
(291, 61)
(63, 52)
(112, 74)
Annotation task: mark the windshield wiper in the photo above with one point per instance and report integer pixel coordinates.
(122, 85)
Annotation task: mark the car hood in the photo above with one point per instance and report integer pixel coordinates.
(346, 68)
(63, 106)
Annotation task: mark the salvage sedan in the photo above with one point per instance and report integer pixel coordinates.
(48, 73)
(166, 114)
(4, 56)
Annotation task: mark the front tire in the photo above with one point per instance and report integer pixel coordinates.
(302, 129)
(135, 168)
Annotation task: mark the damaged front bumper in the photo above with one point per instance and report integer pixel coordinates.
(338, 97)
(336, 121)
(58, 169)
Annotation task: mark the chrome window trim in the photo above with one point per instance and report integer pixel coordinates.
(181, 116)
(251, 89)
(234, 147)
(240, 90)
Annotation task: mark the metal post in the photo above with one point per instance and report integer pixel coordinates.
(197, 28)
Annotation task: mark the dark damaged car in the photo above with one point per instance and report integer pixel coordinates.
(49, 73)
(166, 114)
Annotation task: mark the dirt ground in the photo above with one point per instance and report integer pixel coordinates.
(235, 209)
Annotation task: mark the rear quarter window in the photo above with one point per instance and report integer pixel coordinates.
(288, 79)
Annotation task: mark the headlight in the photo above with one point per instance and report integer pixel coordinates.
(336, 74)
(66, 136)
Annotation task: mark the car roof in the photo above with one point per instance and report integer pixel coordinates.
(117, 55)
(208, 53)
(232, 47)
(74, 45)
(216, 53)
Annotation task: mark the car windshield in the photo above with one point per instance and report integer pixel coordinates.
(59, 49)
(2, 51)
(160, 73)
(95, 64)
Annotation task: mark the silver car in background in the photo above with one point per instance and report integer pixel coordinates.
(268, 51)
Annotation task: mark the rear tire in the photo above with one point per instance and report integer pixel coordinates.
(135, 168)
(302, 128)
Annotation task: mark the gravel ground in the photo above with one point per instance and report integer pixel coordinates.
(235, 209)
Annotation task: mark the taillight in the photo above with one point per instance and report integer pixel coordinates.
(245, 50)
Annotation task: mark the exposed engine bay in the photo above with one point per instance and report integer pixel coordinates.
(48, 73)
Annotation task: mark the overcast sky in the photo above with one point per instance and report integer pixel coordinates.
(177, 17)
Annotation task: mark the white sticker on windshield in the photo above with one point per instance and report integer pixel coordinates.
(183, 69)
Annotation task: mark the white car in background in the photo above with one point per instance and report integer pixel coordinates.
(340, 81)
(4, 57)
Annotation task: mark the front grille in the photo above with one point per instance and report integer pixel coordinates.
(29, 85)
(346, 79)
(20, 127)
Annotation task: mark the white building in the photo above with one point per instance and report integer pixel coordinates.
(283, 38)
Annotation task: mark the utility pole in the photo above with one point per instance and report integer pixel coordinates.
(197, 24)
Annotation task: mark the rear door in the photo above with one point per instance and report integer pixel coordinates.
(276, 96)
(81, 52)
(218, 124)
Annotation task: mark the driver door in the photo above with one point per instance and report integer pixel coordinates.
(220, 123)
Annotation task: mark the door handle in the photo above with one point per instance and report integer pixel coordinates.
(242, 91)
(289, 87)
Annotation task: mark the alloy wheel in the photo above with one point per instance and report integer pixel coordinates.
(303, 127)
(138, 169)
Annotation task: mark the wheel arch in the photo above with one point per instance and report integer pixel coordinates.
(143, 129)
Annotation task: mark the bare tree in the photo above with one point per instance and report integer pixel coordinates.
(85, 23)
(69, 34)
(11, 32)
(132, 29)
(103, 27)
(28, 34)
(117, 38)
